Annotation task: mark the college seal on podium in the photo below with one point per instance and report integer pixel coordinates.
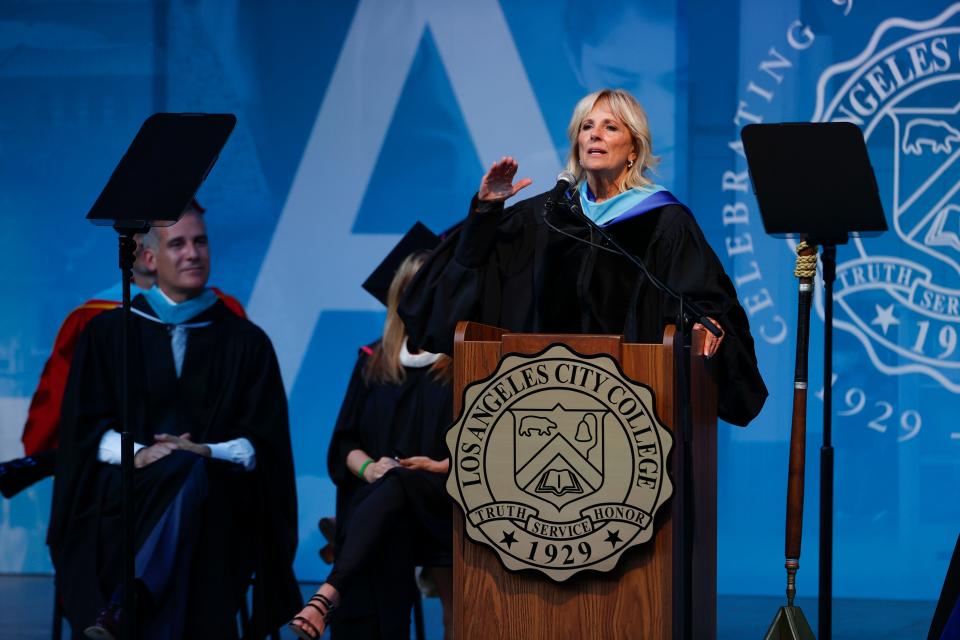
(559, 462)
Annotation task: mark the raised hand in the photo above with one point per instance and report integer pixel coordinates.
(497, 184)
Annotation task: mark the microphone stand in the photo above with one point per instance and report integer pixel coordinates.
(682, 513)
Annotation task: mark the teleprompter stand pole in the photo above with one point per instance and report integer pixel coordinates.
(828, 262)
(128, 247)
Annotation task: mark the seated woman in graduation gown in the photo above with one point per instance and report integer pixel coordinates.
(537, 268)
(389, 462)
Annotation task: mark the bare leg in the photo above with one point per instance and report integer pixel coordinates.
(314, 613)
(443, 576)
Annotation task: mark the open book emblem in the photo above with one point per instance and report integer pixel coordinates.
(558, 452)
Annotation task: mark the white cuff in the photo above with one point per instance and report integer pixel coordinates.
(109, 451)
(239, 451)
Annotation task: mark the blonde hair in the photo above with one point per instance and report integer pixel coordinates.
(384, 366)
(626, 109)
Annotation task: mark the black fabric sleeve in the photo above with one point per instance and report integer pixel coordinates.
(695, 270)
(478, 233)
(949, 597)
(345, 437)
(450, 286)
(89, 409)
(262, 418)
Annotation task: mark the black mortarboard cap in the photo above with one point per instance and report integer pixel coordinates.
(418, 238)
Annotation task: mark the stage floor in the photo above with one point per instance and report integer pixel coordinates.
(26, 608)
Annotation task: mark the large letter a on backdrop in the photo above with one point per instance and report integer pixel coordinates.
(314, 259)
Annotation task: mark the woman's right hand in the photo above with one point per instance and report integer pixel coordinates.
(426, 464)
(378, 469)
(497, 183)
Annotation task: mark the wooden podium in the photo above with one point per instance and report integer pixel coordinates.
(635, 600)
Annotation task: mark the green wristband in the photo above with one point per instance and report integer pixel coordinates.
(363, 468)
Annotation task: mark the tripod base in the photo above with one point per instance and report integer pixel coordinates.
(789, 624)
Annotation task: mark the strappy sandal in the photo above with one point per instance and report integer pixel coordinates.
(311, 632)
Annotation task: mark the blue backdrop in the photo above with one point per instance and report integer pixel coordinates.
(357, 118)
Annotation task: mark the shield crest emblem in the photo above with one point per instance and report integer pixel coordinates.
(903, 305)
(558, 452)
(927, 178)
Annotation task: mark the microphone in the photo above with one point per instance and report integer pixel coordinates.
(565, 180)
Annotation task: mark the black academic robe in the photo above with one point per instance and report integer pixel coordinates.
(409, 419)
(510, 268)
(947, 613)
(230, 387)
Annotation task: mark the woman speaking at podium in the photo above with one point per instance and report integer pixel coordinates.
(537, 267)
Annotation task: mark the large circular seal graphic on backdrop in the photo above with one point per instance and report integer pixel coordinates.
(901, 295)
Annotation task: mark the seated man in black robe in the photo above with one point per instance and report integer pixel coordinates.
(215, 500)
